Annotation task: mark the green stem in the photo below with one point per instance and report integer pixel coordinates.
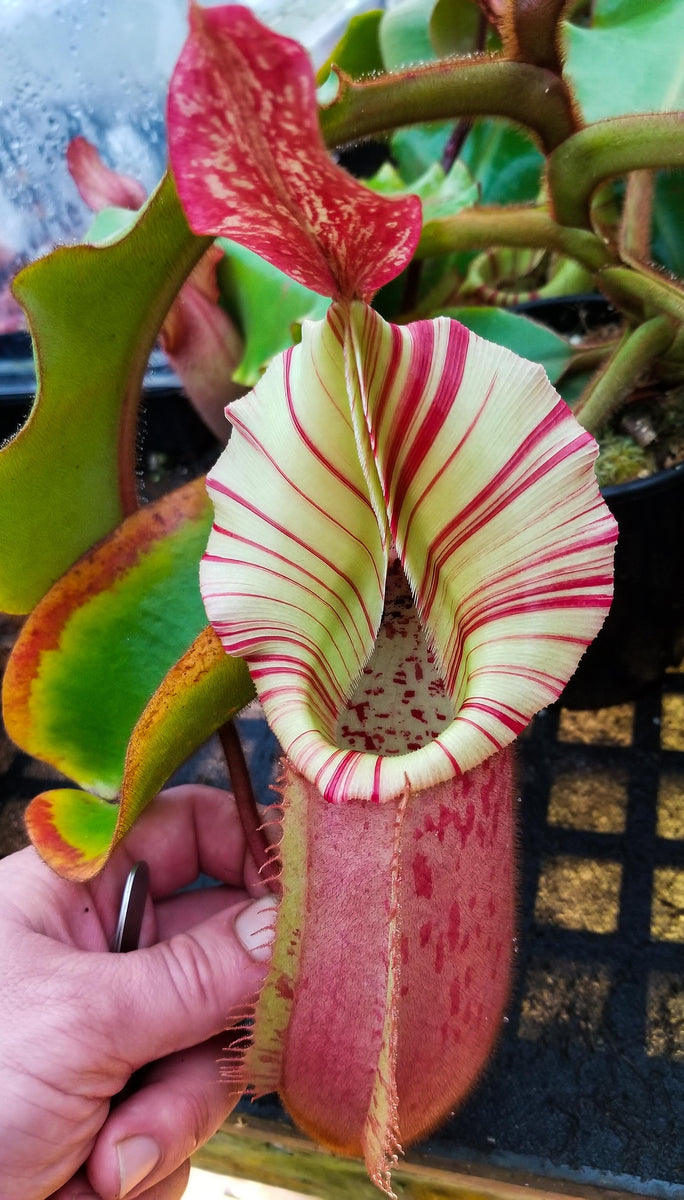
(606, 214)
(568, 279)
(608, 149)
(515, 225)
(635, 351)
(642, 293)
(536, 30)
(637, 216)
(589, 356)
(446, 90)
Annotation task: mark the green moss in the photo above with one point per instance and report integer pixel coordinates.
(621, 459)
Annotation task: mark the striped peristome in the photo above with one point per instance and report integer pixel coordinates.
(370, 438)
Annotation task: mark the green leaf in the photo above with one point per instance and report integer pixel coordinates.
(68, 476)
(416, 150)
(76, 832)
(442, 195)
(72, 831)
(266, 304)
(94, 650)
(358, 51)
(630, 60)
(518, 333)
(504, 163)
(109, 224)
(405, 35)
(454, 26)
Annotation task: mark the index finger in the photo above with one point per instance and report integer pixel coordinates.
(191, 830)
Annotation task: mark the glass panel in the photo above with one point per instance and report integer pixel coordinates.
(99, 69)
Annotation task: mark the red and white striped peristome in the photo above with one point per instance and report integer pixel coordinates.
(424, 438)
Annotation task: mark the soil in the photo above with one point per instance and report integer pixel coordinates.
(647, 434)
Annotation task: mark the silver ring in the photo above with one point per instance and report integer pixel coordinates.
(131, 912)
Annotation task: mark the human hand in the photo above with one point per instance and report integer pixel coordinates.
(77, 1021)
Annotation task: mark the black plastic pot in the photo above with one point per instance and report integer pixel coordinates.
(644, 631)
(169, 425)
(571, 315)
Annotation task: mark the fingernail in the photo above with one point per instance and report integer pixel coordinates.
(137, 1157)
(255, 926)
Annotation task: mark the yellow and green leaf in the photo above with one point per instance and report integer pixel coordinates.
(74, 831)
(96, 647)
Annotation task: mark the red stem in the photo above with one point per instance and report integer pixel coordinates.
(245, 801)
(455, 144)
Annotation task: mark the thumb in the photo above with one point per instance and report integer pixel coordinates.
(181, 992)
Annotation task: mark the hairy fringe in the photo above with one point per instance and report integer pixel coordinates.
(390, 1145)
(240, 1021)
(232, 1064)
(271, 870)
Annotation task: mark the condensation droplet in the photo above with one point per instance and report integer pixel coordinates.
(101, 70)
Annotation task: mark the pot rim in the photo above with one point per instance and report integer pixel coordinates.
(663, 479)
